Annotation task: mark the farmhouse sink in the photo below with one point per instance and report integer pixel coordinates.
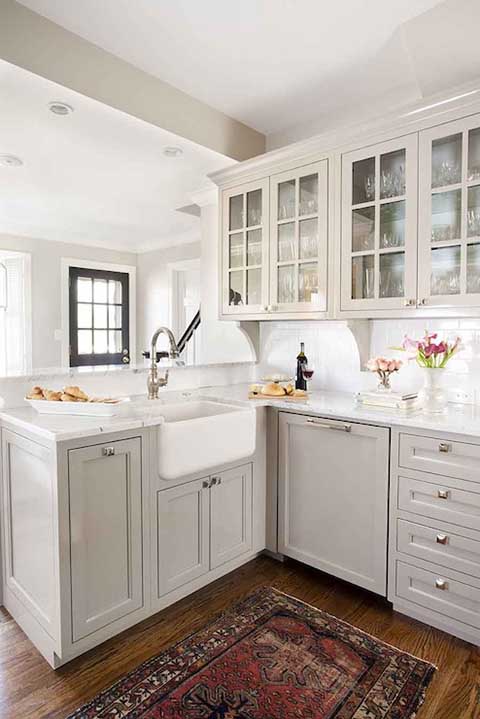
(198, 436)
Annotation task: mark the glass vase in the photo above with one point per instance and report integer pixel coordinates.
(433, 394)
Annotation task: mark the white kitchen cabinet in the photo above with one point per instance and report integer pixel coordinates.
(182, 534)
(245, 249)
(201, 525)
(333, 497)
(299, 239)
(449, 214)
(379, 226)
(230, 515)
(105, 489)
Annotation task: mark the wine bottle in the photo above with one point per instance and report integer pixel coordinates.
(300, 381)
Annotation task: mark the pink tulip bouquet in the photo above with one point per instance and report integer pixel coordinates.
(384, 368)
(431, 354)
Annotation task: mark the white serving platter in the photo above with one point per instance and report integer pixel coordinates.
(87, 409)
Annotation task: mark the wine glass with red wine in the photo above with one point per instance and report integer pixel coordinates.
(307, 371)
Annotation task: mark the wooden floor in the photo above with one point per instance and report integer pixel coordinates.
(30, 689)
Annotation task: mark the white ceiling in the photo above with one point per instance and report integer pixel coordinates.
(96, 177)
(272, 64)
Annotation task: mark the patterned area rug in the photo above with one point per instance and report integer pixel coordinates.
(270, 657)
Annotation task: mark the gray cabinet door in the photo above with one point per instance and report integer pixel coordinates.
(230, 515)
(105, 483)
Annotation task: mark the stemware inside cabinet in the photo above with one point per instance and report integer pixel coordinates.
(379, 226)
(299, 239)
(449, 214)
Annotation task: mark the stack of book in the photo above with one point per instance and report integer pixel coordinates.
(389, 400)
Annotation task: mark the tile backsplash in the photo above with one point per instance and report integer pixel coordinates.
(332, 349)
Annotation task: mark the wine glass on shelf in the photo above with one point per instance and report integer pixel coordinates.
(307, 371)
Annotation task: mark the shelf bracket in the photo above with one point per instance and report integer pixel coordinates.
(361, 331)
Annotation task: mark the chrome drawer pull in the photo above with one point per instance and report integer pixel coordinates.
(443, 494)
(442, 539)
(206, 484)
(108, 451)
(444, 447)
(322, 425)
(441, 584)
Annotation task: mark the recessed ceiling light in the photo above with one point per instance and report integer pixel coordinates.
(172, 151)
(10, 161)
(60, 108)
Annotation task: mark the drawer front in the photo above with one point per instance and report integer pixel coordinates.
(439, 546)
(438, 593)
(427, 454)
(457, 506)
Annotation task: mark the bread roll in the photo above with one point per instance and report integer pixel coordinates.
(76, 392)
(51, 395)
(273, 389)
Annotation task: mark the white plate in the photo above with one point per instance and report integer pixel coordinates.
(87, 409)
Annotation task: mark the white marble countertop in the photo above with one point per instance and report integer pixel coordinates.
(459, 419)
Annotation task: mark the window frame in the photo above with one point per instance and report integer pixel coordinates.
(92, 360)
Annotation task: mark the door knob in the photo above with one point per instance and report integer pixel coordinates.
(423, 302)
(443, 494)
(108, 451)
(442, 539)
(409, 303)
(441, 584)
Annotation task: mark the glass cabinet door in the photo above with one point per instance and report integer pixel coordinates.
(449, 218)
(298, 240)
(245, 253)
(379, 203)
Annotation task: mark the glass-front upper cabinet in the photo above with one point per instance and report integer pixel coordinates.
(299, 239)
(379, 226)
(245, 249)
(449, 214)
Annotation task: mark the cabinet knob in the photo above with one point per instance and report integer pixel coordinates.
(443, 494)
(108, 451)
(409, 303)
(442, 539)
(213, 481)
(205, 484)
(423, 302)
(444, 447)
(265, 308)
(441, 584)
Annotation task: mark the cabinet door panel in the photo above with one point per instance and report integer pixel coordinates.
(245, 249)
(449, 214)
(231, 515)
(379, 226)
(105, 485)
(182, 535)
(333, 487)
(299, 239)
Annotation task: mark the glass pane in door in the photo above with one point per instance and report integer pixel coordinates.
(473, 268)
(286, 242)
(286, 199)
(392, 273)
(308, 232)
(363, 269)
(286, 284)
(254, 208)
(392, 224)
(254, 287)
(447, 160)
(363, 178)
(236, 258)
(363, 229)
(473, 214)
(392, 174)
(445, 276)
(236, 288)
(474, 155)
(308, 195)
(236, 212)
(254, 247)
(446, 216)
(308, 282)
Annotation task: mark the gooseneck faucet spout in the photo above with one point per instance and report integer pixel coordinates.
(154, 382)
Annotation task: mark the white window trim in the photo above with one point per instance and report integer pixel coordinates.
(131, 270)
(28, 329)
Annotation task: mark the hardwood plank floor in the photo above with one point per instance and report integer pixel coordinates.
(30, 689)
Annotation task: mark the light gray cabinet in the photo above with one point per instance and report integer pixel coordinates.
(105, 489)
(230, 515)
(333, 497)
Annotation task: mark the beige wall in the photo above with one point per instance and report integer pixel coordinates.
(39, 45)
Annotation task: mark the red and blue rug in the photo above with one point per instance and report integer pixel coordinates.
(270, 657)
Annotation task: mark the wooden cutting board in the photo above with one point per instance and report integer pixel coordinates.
(282, 398)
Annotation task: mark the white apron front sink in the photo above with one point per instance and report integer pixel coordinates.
(198, 436)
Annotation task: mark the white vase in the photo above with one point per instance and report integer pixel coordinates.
(433, 395)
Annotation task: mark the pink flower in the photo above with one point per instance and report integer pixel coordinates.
(372, 364)
(383, 364)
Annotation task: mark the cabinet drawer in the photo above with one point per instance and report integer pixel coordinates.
(430, 454)
(439, 546)
(439, 593)
(457, 506)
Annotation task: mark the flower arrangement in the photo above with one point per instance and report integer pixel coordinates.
(430, 354)
(384, 368)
